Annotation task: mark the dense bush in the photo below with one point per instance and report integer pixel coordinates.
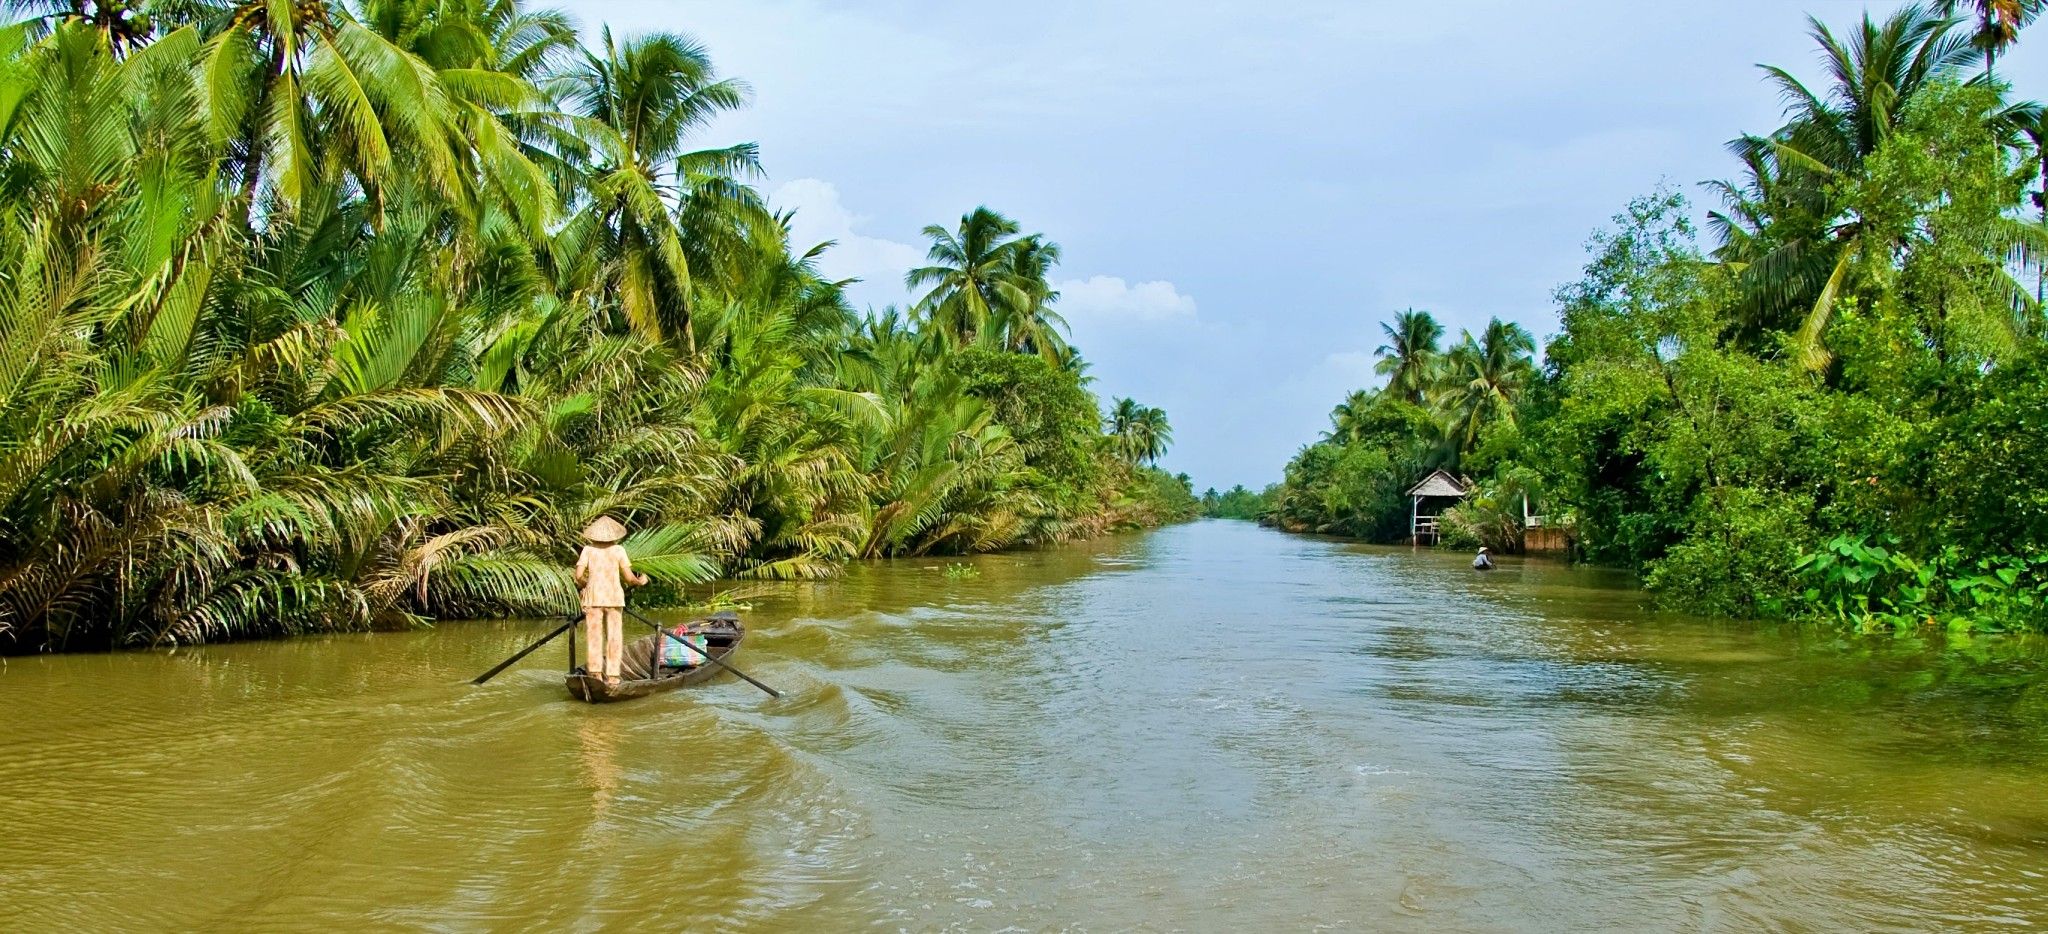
(1986, 462)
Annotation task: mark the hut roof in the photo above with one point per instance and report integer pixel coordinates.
(1441, 483)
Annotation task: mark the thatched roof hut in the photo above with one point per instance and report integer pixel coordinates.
(1441, 483)
(1437, 492)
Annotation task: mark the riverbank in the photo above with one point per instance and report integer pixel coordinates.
(1149, 499)
(1360, 737)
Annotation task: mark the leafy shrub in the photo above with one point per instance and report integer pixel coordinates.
(1045, 408)
(1870, 586)
(1737, 556)
(1987, 475)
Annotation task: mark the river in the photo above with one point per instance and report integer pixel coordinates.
(1208, 727)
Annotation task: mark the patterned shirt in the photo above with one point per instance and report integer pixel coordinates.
(604, 569)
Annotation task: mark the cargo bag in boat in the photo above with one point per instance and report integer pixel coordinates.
(676, 655)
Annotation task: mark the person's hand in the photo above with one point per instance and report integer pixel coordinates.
(642, 580)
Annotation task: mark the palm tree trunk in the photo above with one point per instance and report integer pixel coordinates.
(1988, 29)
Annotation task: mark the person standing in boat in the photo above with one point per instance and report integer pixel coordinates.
(603, 571)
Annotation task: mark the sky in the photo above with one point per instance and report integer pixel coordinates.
(1244, 191)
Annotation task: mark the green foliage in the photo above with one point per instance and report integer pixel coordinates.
(1169, 497)
(987, 287)
(1044, 407)
(1355, 489)
(1870, 586)
(1735, 556)
(1238, 503)
(1439, 409)
(1410, 355)
(1983, 463)
(1492, 515)
(1862, 357)
(1139, 433)
(329, 315)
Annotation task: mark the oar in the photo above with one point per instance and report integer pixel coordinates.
(507, 663)
(707, 655)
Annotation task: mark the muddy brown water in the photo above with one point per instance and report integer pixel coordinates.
(1208, 727)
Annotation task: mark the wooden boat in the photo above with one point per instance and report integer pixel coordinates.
(640, 670)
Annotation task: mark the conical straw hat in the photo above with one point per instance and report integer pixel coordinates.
(605, 531)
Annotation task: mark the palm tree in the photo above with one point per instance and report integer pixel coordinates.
(297, 88)
(1784, 233)
(1774, 232)
(1122, 425)
(1347, 420)
(972, 282)
(1034, 327)
(639, 101)
(1483, 378)
(1874, 75)
(1998, 23)
(1155, 435)
(1139, 433)
(1410, 351)
(490, 56)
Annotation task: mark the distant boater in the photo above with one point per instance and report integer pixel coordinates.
(604, 570)
(1482, 563)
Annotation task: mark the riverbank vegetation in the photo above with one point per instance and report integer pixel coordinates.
(1828, 404)
(325, 315)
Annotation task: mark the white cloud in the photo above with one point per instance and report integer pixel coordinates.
(1110, 298)
(877, 261)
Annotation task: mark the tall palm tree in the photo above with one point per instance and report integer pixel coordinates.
(1483, 378)
(1785, 233)
(1998, 23)
(1154, 435)
(639, 101)
(1409, 353)
(1873, 75)
(972, 281)
(1774, 231)
(1139, 433)
(490, 57)
(1034, 327)
(298, 90)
